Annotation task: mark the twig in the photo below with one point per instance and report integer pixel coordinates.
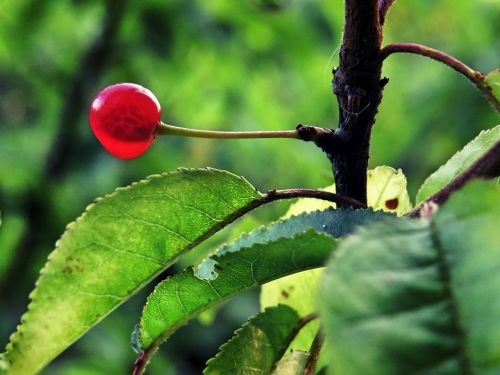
(477, 78)
(273, 195)
(487, 166)
(314, 352)
(300, 324)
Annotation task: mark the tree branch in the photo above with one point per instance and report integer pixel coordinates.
(358, 88)
(383, 8)
(486, 167)
(314, 352)
(477, 78)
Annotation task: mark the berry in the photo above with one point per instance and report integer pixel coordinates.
(124, 118)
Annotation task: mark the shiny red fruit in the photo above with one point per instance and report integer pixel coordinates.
(124, 117)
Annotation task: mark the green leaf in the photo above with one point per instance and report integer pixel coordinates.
(283, 248)
(386, 190)
(336, 223)
(119, 244)
(300, 290)
(178, 299)
(257, 345)
(293, 363)
(493, 81)
(419, 296)
(458, 163)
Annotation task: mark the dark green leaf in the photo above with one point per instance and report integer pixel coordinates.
(183, 296)
(258, 345)
(273, 251)
(300, 290)
(419, 296)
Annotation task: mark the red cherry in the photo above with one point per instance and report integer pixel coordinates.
(125, 117)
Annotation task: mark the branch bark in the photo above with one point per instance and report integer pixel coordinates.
(384, 6)
(358, 86)
(477, 78)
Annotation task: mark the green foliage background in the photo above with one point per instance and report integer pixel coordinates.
(249, 64)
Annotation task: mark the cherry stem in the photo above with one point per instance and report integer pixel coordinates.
(166, 129)
(477, 78)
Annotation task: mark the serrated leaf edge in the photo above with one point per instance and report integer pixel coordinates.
(242, 327)
(5, 362)
(162, 338)
(481, 133)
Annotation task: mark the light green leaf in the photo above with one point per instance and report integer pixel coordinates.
(119, 244)
(386, 190)
(300, 292)
(257, 345)
(178, 299)
(458, 163)
(493, 81)
(418, 296)
(293, 363)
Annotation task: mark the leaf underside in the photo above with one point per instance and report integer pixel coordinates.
(263, 255)
(257, 345)
(300, 290)
(459, 163)
(119, 244)
(418, 296)
(178, 299)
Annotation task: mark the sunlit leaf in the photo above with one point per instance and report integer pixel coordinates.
(493, 81)
(386, 190)
(118, 245)
(458, 163)
(418, 296)
(300, 292)
(292, 363)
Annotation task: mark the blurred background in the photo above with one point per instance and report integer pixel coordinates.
(218, 64)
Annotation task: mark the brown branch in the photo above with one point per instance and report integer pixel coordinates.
(486, 167)
(314, 352)
(383, 8)
(300, 324)
(477, 78)
(274, 195)
(358, 86)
